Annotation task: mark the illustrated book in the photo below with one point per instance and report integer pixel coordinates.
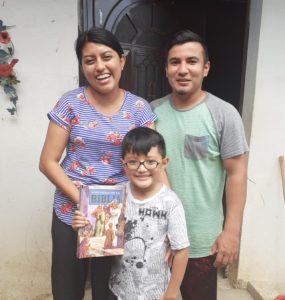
(104, 207)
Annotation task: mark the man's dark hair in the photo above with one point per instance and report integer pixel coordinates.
(141, 139)
(185, 36)
(97, 36)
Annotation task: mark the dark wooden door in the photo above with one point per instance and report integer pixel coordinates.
(143, 26)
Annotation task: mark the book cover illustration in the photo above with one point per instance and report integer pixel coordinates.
(104, 208)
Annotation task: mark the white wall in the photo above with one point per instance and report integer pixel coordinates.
(44, 44)
(262, 256)
(44, 38)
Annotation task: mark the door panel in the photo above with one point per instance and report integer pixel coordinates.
(143, 27)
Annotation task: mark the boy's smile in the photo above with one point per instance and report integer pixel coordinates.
(143, 172)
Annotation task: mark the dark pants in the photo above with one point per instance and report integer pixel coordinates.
(200, 279)
(68, 273)
(112, 296)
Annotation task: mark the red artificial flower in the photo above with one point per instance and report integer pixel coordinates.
(4, 37)
(7, 69)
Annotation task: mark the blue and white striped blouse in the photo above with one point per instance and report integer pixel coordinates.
(93, 151)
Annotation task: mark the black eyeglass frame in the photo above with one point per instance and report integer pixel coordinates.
(139, 163)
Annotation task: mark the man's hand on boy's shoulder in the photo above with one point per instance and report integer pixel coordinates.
(78, 220)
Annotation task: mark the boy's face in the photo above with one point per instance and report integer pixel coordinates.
(144, 177)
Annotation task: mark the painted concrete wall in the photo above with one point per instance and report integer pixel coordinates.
(262, 256)
(44, 44)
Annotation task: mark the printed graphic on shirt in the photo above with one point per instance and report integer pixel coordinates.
(141, 273)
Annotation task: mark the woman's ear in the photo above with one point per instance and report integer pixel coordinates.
(123, 62)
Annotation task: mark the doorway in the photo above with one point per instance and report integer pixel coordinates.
(143, 27)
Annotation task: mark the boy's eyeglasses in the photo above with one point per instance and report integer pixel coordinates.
(135, 164)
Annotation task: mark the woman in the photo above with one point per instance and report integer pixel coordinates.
(90, 123)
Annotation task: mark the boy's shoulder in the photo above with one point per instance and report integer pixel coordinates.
(169, 192)
(169, 197)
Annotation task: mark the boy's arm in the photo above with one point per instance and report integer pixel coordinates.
(78, 220)
(177, 273)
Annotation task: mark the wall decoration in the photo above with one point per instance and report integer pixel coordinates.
(8, 79)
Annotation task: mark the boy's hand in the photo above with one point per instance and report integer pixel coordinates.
(168, 257)
(78, 220)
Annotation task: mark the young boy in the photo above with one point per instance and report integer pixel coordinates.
(154, 218)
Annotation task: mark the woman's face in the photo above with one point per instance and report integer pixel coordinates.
(102, 67)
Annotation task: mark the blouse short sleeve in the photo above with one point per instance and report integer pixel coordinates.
(62, 113)
(144, 115)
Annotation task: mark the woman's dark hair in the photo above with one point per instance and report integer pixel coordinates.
(98, 36)
(141, 139)
(185, 36)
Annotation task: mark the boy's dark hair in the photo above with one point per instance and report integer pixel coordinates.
(97, 36)
(185, 36)
(141, 139)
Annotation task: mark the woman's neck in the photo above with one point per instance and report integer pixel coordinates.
(106, 104)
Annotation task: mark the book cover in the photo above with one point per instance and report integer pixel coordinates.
(104, 207)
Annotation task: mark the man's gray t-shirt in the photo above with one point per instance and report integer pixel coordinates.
(197, 141)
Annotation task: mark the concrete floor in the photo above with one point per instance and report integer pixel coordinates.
(225, 292)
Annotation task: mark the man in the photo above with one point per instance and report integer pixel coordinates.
(205, 142)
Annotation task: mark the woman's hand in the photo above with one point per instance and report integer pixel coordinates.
(78, 220)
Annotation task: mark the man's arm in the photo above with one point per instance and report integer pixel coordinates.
(177, 273)
(227, 243)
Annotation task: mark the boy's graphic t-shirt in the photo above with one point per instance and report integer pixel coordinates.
(151, 227)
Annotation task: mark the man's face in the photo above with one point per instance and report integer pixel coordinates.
(186, 69)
